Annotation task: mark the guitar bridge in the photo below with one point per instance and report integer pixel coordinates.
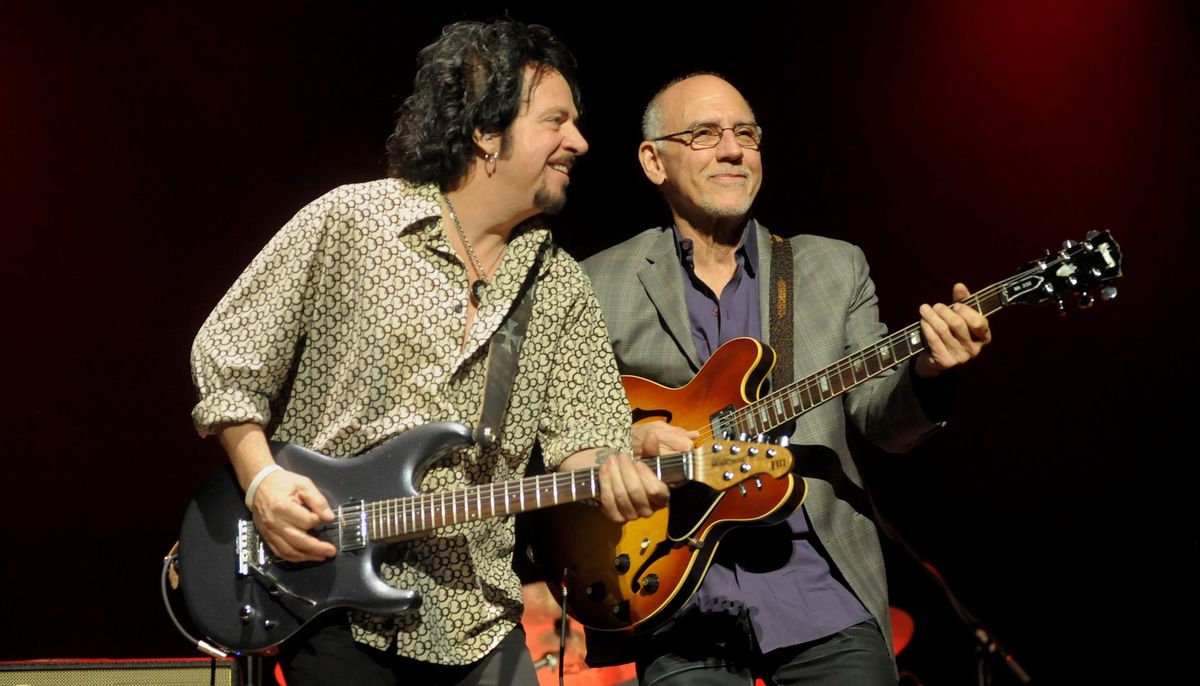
(251, 551)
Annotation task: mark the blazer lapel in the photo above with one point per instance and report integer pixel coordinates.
(662, 278)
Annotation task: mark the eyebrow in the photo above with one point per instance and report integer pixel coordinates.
(710, 122)
(559, 111)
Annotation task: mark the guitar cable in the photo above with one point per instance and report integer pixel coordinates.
(564, 627)
(201, 645)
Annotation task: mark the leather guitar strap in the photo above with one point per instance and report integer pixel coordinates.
(780, 311)
(502, 361)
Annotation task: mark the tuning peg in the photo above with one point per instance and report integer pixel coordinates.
(743, 436)
(783, 441)
(1068, 244)
(727, 434)
(1108, 293)
(1048, 288)
(1086, 300)
(1072, 281)
(1092, 234)
(761, 438)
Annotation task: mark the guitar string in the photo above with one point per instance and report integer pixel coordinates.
(411, 506)
(742, 416)
(393, 510)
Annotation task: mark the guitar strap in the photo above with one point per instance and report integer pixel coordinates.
(780, 310)
(502, 360)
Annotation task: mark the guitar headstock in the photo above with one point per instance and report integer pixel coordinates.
(1077, 269)
(722, 463)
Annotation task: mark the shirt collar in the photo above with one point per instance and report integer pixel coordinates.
(746, 253)
(423, 210)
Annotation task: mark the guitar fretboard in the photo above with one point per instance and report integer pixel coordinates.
(410, 517)
(793, 400)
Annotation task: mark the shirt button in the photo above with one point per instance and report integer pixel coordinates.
(458, 308)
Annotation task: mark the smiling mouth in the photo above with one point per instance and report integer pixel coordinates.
(559, 166)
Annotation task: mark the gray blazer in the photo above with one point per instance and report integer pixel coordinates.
(639, 286)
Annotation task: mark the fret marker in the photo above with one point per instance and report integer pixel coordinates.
(824, 381)
(914, 338)
(857, 365)
(885, 352)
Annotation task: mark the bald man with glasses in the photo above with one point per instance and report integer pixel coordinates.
(803, 601)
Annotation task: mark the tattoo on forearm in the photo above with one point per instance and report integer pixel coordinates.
(603, 454)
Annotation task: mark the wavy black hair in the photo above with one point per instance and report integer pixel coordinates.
(470, 78)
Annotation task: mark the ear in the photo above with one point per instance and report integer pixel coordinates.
(650, 157)
(487, 142)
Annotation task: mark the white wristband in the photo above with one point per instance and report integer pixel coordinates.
(258, 479)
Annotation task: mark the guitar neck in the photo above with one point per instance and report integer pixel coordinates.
(415, 516)
(791, 401)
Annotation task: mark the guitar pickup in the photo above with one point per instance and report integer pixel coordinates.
(352, 526)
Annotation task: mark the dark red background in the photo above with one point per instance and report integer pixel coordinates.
(149, 150)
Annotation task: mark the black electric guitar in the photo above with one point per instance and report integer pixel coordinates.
(244, 598)
(632, 577)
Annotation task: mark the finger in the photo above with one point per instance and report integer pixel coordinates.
(275, 535)
(613, 495)
(312, 498)
(652, 445)
(632, 502)
(287, 530)
(657, 492)
(977, 325)
(957, 332)
(307, 545)
(934, 328)
(677, 441)
(607, 487)
(283, 549)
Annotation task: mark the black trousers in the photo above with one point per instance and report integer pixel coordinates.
(856, 656)
(328, 656)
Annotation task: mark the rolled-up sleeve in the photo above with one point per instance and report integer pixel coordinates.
(243, 353)
(585, 406)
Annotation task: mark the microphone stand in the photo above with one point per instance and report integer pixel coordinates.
(987, 648)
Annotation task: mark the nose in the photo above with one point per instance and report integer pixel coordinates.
(574, 140)
(727, 148)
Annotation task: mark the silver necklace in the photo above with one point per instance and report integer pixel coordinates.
(479, 284)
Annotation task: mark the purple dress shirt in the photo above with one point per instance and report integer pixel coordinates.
(790, 599)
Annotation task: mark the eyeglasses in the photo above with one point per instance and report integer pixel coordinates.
(709, 135)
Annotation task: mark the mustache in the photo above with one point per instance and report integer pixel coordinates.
(736, 171)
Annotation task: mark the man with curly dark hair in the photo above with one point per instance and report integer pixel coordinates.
(373, 312)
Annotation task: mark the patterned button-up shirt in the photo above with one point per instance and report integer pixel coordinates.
(347, 329)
